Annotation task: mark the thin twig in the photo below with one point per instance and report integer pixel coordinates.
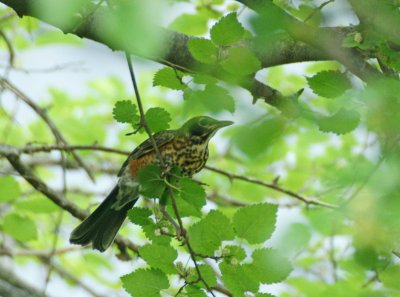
(319, 8)
(53, 249)
(144, 124)
(14, 285)
(11, 51)
(273, 186)
(7, 16)
(143, 121)
(87, 16)
(70, 66)
(12, 155)
(47, 148)
(43, 115)
(39, 253)
(332, 257)
(45, 259)
(231, 176)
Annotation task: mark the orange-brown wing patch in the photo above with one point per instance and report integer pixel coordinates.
(135, 165)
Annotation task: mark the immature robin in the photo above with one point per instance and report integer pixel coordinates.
(186, 148)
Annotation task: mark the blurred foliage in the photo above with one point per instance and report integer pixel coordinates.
(340, 146)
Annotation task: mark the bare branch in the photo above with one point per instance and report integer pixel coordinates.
(45, 259)
(12, 285)
(12, 156)
(30, 149)
(36, 253)
(273, 186)
(11, 52)
(43, 115)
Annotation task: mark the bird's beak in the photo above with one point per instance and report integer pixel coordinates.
(222, 124)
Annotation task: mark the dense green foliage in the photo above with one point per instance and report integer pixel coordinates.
(302, 191)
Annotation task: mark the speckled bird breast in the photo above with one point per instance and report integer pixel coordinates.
(189, 154)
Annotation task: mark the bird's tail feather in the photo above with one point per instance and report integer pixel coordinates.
(102, 225)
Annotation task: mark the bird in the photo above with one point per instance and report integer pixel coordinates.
(185, 148)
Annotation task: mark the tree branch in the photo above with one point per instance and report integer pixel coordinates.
(43, 115)
(271, 185)
(45, 259)
(12, 155)
(324, 39)
(177, 54)
(12, 285)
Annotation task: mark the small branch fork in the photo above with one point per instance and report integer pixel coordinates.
(181, 230)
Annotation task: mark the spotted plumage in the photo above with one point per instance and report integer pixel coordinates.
(186, 148)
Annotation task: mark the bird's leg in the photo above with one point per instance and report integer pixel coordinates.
(163, 202)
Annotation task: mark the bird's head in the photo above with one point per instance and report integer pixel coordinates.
(203, 127)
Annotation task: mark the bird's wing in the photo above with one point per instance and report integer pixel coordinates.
(161, 138)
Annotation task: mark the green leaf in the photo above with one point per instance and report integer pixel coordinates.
(390, 277)
(208, 275)
(96, 261)
(204, 79)
(234, 254)
(169, 78)
(60, 13)
(19, 227)
(367, 257)
(126, 112)
(207, 234)
(352, 39)
(190, 24)
(158, 119)
(227, 31)
(152, 232)
(255, 139)
(237, 280)
(151, 183)
(212, 99)
(194, 291)
(255, 223)
(186, 209)
(192, 192)
(269, 266)
(159, 256)
(342, 122)
(295, 238)
(140, 216)
(203, 50)
(309, 12)
(145, 282)
(329, 84)
(241, 62)
(9, 189)
(36, 204)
